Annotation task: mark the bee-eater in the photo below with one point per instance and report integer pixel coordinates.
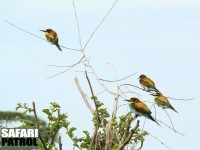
(52, 37)
(162, 101)
(147, 83)
(140, 109)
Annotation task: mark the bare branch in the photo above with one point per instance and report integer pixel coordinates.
(117, 92)
(110, 131)
(60, 143)
(170, 120)
(121, 146)
(69, 67)
(141, 145)
(100, 24)
(83, 95)
(118, 79)
(180, 99)
(159, 140)
(129, 91)
(72, 49)
(170, 127)
(96, 76)
(129, 126)
(109, 135)
(77, 22)
(38, 126)
(82, 50)
(133, 86)
(98, 118)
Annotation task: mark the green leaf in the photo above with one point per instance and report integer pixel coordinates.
(70, 132)
(46, 111)
(18, 106)
(55, 105)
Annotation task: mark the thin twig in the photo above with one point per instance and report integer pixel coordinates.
(122, 105)
(118, 79)
(128, 126)
(159, 140)
(180, 99)
(60, 143)
(83, 95)
(77, 22)
(170, 120)
(70, 67)
(111, 131)
(96, 76)
(97, 111)
(117, 92)
(155, 110)
(141, 145)
(133, 86)
(72, 49)
(58, 66)
(100, 92)
(82, 50)
(121, 146)
(38, 126)
(100, 24)
(93, 96)
(170, 127)
(109, 135)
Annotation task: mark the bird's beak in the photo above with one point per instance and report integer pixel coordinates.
(127, 100)
(154, 95)
(43, 30)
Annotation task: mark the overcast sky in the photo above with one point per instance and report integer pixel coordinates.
(159, 38)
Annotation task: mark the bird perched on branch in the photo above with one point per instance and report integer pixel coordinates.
(52, 37)
(147, 83)
(140, 109)
(162, 101)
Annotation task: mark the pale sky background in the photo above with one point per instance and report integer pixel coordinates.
(159, 38)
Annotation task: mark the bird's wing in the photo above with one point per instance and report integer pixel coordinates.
(141, 107)
(48, 38)
(148, 82)
(165, 101)
(162, 101)
(51, 35)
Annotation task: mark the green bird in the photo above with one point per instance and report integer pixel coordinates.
(52, 37)
(140, 109)
(147, 83)
(162, 101)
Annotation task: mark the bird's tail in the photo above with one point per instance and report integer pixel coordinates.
(151, 118)
(58, 46)
(173, 108)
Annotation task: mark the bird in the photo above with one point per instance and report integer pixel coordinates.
(162, 101)
(147, 83)
(140, 109)
(52, 37)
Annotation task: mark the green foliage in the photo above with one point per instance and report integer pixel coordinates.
(103, 113)
(56, 121)
(120, 125)
(85, 140)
